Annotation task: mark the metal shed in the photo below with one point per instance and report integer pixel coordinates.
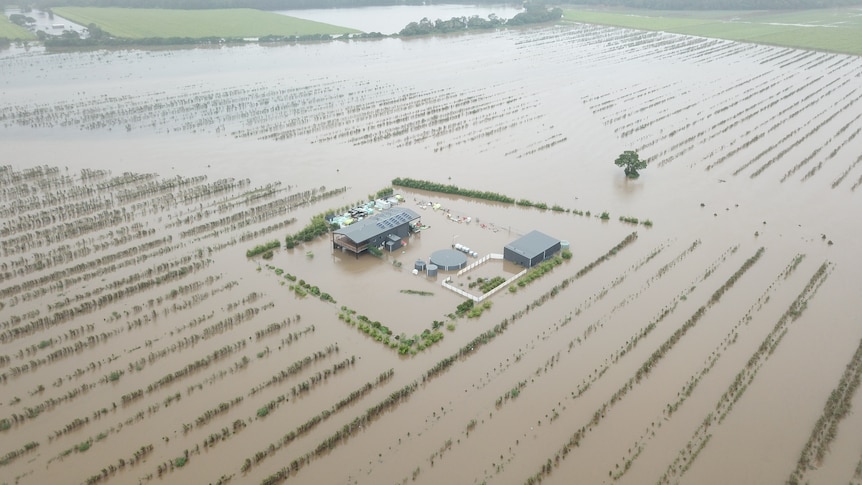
(531, 249)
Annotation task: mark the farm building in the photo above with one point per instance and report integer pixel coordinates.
(387, 229)
(531, 249)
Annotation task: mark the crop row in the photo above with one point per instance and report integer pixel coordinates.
(688, 388)
(743, 379)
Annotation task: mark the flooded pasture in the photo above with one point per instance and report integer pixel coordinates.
(705, 331)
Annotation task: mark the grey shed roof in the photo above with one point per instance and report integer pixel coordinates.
(381, 223)
(532, 244)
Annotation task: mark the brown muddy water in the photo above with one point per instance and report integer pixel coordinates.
(140, 344)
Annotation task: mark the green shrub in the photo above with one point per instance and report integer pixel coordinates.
(263, 248)
(451, 189)
(464, 307)
(385, 192)
(488, 285)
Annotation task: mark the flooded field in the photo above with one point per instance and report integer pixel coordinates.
(710, 336)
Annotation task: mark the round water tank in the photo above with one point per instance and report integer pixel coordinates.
(564, 244)
(448, 259)
(432, 270)
(419, 265)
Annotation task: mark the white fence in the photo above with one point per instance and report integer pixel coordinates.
(504, 285)
(479, 261)
(458, 290)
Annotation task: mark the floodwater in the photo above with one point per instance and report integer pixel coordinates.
(749, 146)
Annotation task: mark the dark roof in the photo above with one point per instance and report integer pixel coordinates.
(378, 224)
(532, 244)
(449, 259)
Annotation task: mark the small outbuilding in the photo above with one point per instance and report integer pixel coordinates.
(531, 249)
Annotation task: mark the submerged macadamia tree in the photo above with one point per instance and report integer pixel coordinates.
(630, 161)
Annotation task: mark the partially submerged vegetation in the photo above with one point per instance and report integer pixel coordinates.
(534, 13)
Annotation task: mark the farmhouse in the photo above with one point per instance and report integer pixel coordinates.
(531, 249)
(387, 229)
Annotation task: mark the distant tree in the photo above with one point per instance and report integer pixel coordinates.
(423, 27)
(630, 161)
(70, 35)
(22, 20)
(476, 22)
(535, 13)
(95, 32)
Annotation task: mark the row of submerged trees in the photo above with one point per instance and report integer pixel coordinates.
(365, 420)
(132, 261)
(520, 386)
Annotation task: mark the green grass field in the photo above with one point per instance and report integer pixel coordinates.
(8, 30)
(135, 23)
(834, 30)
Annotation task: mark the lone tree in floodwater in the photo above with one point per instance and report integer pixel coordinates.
(631, 162)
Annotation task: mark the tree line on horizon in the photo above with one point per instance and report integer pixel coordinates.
(307, 4)
(533, 14)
